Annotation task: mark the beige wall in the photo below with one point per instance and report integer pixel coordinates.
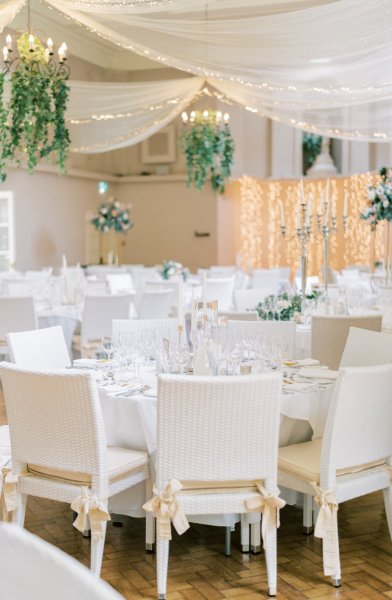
(49, 215)
(166, 215)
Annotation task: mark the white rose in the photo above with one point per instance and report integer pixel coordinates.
(372, 194)
(101, 219)
(104, 210)
(385, 203)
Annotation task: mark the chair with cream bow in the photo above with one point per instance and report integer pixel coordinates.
(354, 457)
(34, 569)
(329, 335)
(216, 454)
(59, 450)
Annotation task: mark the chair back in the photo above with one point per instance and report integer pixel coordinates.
(39, 349)
(366, 348)
(98, 313)
(249, 299)
(24, 287)
(119, 283)
(237, 315)
(220, 289)
(218, 428)
(265, 278)
(138, 325)
(55, 421)
(278, 330)
(155, 304)
(101, 271)
(43, 275)
(329, 335)
(358, 429)
(16, 314)
(32, 568)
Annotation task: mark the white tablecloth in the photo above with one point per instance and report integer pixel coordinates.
(131, 421)
(302, 341)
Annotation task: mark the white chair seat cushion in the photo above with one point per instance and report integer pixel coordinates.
(303, 461)
(121, 462)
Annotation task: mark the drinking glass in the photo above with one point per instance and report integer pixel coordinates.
(107, 345)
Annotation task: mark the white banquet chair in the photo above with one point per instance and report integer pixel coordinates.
(265, 278)
(97, 316)
(16, 314)
(216, 454)
(59, 450)
(39, 349)
(353, 458)
(101, 271)
(120, 283)
(34, 569)
(249, 299)
(281, 331)
(154, 304)
(169, 284)
(329, 335)
(366, 348)
(220, 289)
(139, 325)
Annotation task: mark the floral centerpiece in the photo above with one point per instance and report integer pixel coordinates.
(380, 200)
(171, 268)
(283, 307)
(112, 215)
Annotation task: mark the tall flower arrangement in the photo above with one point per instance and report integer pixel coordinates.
(380, 200)
(112, 215)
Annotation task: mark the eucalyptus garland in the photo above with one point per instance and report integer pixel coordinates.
(209, 149)
(32, 124)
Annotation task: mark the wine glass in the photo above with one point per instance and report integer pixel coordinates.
(107, 345)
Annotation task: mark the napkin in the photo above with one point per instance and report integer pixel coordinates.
(308, 362)
(84, 363)
(319, 374)
(299, 387)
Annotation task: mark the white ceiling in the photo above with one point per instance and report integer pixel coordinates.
(47, 22)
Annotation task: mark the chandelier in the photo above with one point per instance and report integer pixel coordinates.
(208, 145)
(32, 113)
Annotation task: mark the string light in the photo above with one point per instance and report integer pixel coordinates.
(262, 245)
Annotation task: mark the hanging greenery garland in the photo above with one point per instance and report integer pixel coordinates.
(311, 146)
(32, 122)
(209, 148)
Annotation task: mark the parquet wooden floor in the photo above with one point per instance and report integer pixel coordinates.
(198, 569)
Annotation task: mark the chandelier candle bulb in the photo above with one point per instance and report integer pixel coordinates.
(31, 43)
(184, 117)
(50, 45)
(65, 49)
(226, 118)
(8, 41)
(5, 54)
(205, 115)
(219, 116)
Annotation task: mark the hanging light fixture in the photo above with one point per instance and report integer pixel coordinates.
(32, 118)
(208, 146)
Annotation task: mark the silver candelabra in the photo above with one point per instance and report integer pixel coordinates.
(327, 231)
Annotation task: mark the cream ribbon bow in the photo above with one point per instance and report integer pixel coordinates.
(9, 497)
(327, 528)
(89, 505)
(166, 508)
(269, 505)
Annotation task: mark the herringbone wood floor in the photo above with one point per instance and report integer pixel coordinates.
(198, 569)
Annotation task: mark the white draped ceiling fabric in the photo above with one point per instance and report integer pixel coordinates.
(321, 65)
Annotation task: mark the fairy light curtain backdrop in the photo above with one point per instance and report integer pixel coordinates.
(262, 244)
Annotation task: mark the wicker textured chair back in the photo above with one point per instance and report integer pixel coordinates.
(155, 304)
(365, 348)
(55, 421)
(138, 325)
(358, 429)
(218, 428)
(329, 335)
(39, 349)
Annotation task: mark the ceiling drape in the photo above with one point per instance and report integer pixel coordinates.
(321, 65)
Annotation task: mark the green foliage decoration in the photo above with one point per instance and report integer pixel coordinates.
(209, 149)
(112, 215)
(311, 145)
(283, 307)
(32, 123)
